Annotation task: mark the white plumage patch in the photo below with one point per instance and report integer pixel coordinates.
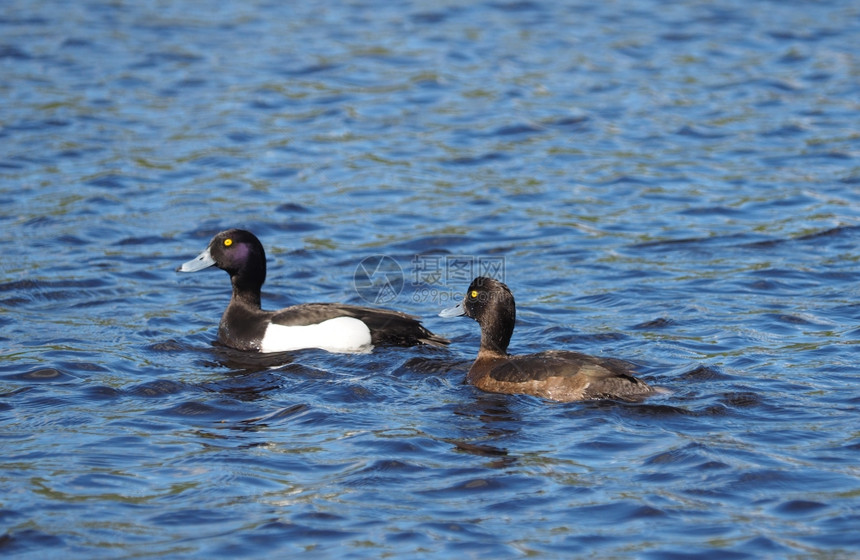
(341, 334)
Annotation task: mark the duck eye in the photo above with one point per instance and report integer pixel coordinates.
(228, 242)
(473, 294)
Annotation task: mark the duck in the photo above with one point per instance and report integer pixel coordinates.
(556, 375)
(334, 327)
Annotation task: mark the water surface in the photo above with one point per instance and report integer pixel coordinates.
(673, 183)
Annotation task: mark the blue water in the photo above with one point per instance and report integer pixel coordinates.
(672, 183)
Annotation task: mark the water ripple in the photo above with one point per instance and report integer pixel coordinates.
(670, 184)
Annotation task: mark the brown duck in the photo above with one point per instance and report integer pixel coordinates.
(556, 375)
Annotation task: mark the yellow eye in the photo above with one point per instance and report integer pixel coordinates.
(473, 294)
(228, 242)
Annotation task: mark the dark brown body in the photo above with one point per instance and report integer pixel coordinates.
(557, 375)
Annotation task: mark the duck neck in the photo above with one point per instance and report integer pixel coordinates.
(496, 337)
(246, 292)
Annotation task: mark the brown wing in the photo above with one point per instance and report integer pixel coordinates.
(538, 367)
(594, 377)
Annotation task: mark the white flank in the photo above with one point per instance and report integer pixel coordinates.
(341, 334)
